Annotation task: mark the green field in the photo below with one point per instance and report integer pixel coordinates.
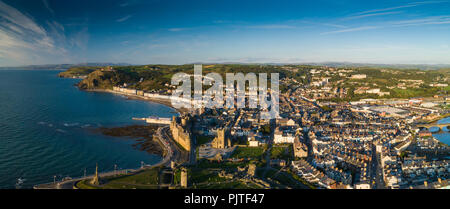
(203, 140)
(284, 152)
(205, 164)
(78, 71)
(147, 179)
(228, 185)
(248, 152)
(208, 178)
(198, 176)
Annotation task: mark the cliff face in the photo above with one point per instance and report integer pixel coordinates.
(76, 72)
(103, 80)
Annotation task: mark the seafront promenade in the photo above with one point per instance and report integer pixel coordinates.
(171, 155)
(160, 99)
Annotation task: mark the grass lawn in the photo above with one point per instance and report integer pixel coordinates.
(147, 179)
(203, 140)
(228, 185)
(85, 185)
(271, 172)
(288, 179)
(197, 176)
(248, 152)
(205, 164)
(303, 181)
(281, 152)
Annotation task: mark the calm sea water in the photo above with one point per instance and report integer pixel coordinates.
(444, 137)
(46, 129)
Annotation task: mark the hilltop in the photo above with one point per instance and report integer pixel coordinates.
(390, 82)
(60, 66)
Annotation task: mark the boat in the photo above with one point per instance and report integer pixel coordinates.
(20, 181)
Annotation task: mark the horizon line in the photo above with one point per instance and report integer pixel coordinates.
(91, 64)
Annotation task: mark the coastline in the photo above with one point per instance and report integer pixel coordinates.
(165, 102)
(136, 97)
(165, 156)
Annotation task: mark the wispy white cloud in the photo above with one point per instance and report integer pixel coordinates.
(371, 15)
(15, 17)
(47, 5)
(124, 4)
(389, 10)
(81, 39)
(123, 19)
(221, 21)
(130, 3)
(254, 60)
(334, 25)
(272, 26)
(24, 41)
(412, 4)
(177, 29)
(433, 20)
(351, 30)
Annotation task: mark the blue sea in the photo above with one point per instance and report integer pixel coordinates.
(46, 129)
(443, 137)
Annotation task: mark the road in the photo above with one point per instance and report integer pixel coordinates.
(269, 147)
(378, 172)
(171, 154)
(175, 152)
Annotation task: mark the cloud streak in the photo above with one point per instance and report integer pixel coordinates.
(24, 41)
(272, 26)
(389, 10)
(351, 30)
(123, 19)
(47, 5)
(434, 20)
(177, 29)
(371, 15)
(412, 4)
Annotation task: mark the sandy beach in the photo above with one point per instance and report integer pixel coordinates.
(136, 97)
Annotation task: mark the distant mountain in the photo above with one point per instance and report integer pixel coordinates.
(347, 64)
(63, 66)
(396, 66)
(330, 64)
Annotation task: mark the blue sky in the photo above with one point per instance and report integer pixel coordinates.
(178, 32)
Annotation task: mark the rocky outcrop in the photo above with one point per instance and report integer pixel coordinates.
(104, 79)
(76, 72)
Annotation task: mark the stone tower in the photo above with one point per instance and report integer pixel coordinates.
(220, 141)
(184, 178)
(95, 181)
(181, 132)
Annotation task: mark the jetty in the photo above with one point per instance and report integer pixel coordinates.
(155, 120)
(168, 144)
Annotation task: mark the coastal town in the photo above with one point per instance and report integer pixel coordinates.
(317, 140)
(225, 103)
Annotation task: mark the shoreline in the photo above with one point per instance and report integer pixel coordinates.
(165, 102)
(165, 150)
(143, 135)
(136, 97)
